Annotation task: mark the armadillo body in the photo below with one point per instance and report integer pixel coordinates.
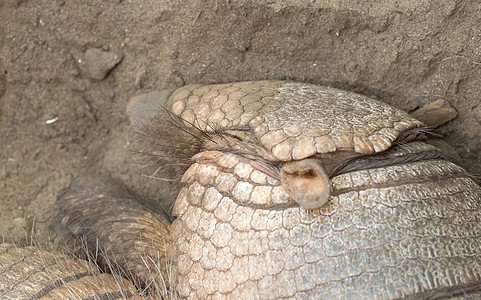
(290, 191)
(397, 221)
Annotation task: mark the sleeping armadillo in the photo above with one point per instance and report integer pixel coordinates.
(294, 190)
(297, 190)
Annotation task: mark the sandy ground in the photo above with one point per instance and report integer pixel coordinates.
(68, 69)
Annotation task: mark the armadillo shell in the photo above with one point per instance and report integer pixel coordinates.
(406, 230)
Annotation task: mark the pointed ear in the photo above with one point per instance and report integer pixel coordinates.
(306, 182)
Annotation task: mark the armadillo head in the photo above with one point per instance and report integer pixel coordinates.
(284, 140)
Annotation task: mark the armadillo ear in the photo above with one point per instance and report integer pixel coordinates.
(306, 182)
(146, 106)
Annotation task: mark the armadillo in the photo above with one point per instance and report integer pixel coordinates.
(30, 273)
(302, 191)
(294, 190)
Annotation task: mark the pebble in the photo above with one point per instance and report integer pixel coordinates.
(98, 63)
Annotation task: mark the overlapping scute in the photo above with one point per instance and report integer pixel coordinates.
(294, 120)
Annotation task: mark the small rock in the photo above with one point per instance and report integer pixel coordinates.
(242, 45)
(97, 63)
(436, 113)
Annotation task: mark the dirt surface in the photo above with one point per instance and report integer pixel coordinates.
(68, 69)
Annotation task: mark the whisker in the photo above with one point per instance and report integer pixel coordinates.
(162, 179)
(173, 116)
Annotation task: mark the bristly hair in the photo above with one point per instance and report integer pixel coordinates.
(168, 143)
(419, 133)
(42, 271)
